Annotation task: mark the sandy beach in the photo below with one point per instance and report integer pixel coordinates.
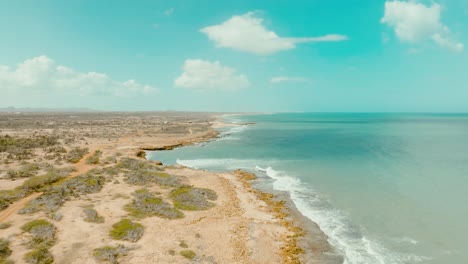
(240, 225)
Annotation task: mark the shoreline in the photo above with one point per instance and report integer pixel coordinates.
(308, 243)
(247, 225)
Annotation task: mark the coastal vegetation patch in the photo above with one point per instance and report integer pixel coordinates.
(94, 159)
(5, 250)
(32, 184)
(42, 238)
(92, 216)
(192, 199)
(140, 172)
(55, 195)
(146, 204)
(76, 154)
(21, 148)
(125, 229)
(186, 253)
(110, 253)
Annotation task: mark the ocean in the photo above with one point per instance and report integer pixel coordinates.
(384, 188)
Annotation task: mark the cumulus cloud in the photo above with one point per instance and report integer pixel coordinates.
(283, 79)
(42, 73)
(206, 75)
(247, 33)
(414, 22)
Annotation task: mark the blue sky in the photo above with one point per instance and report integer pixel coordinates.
(311, 55)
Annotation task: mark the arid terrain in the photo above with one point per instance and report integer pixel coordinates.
(76, 188)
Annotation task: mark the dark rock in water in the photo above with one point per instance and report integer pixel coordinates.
(141, 154)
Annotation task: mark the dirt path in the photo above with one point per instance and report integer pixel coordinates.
(81, 167)
(16, 206)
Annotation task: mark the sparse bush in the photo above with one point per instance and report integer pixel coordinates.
(37, 182)
(92, 216)
(191, 198)
(94, 159)
(76, 154)
(5, 250)
(142, 172)
(39, 255)
(146, 204)
(182, 244)
(9, 196)
(125, 229)
(54, 197)
(5, 225)
(21, 148)
(26, 170)
(42, 231)
(111, 254)
(190, 254)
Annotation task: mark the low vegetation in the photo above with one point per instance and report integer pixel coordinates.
(92, 216)
(22, 148)
(125, 229)
(5, 250)
(192, 198)
(39, 255)
(189, 254)
(146, 204)
(5, 225)
(140, 172)
(25, 171)
(94, 159)
(76, 154)
(55, 196)
(111, 254)
(42, 232)
(42, 238)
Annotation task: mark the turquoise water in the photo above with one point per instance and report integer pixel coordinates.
(385, 188)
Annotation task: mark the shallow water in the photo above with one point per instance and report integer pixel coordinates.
(385, 188)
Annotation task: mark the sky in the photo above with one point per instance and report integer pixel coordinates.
(263, 55)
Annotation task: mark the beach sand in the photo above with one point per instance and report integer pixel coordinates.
(245, 225)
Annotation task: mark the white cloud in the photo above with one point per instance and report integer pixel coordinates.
(42, 73)
(247, 33)
(414, 22)
(205, 75)
(282, 79)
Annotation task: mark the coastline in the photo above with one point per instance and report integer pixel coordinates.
(303, 241)
(247, 225)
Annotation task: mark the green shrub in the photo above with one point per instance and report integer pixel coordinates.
(110, 254)
(146, 204)
(187, 254)
(92, 216)
(191, 198)
(39, 255)
(37, 182)
(42, 231)
(151, 174)
(125, 229)
(5, 225)
(76, 154)
(9, 196)
(54, 197)
(5, 250)
(94, 159)
(25, 171)
(182, 244)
